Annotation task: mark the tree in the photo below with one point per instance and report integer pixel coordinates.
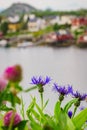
(4, 27)
(55, 27)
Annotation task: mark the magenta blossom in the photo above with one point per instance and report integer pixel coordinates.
(13, 73)
(11, 115)
(3, 83)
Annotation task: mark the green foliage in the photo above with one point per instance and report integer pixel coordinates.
(37, 118)
(59, 120)
(78, 32)
(80, 119)
(69, 104)
(4, 27)
(48, 12)
(22, 125)
(55, 27)
(43, 31)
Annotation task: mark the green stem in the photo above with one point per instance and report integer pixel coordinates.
(41, 94)
(22, 110)
(29, 89)
(75, 109)
(12, 121)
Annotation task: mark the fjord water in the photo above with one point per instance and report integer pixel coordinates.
(64, 66)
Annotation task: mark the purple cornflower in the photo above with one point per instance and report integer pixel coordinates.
(62, 89)
(11, 115)
(80, 96)
(40, 80)
(3, 83)
(70, 114)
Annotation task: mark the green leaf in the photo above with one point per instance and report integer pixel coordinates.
(30, 89)
(40, 111)
(22, 125)
(4, 128)
(80, 119)
(17, 99)
(36, 115)
(12, 98)
(18, 87)
(62, 121)
(5, 108)
(34, 124)
(70, 125)
(69, 104)
(22, 108)
(1, 121)
(30, 108)
(57, 110)
(50, 123)
(45, 104)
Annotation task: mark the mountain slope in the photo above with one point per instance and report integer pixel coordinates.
(18, 8)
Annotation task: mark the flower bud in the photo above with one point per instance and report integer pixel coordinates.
(13, 73)
(70, 114)
(13, 117)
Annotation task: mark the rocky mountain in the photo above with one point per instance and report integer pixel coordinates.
(18, 8)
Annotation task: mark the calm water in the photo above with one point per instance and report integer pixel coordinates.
(63, 65)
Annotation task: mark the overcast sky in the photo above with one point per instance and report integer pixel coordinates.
(44, 4)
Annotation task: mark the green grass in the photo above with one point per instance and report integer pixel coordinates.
(44, 31)
(11, 34)
(35, 34)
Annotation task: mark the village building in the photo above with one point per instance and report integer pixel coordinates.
(82, 39)
(65, 19)
(78, 22)
(35, 24)
(14, 23)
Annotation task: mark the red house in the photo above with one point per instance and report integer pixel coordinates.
(79, 21)
(1, 35)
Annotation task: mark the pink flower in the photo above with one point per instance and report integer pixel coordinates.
(11, 116)
(3, 83)
(13, 73)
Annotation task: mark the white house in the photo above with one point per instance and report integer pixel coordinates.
(35, 24)
(65, 19)
(13, 19)
(54, 20)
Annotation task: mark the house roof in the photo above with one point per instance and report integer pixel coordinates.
(14, 19)
(33, 20)
(49, 17)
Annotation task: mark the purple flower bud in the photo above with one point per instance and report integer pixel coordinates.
(3, 83)
(11, 115)
(13, 73)
(70, 114)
